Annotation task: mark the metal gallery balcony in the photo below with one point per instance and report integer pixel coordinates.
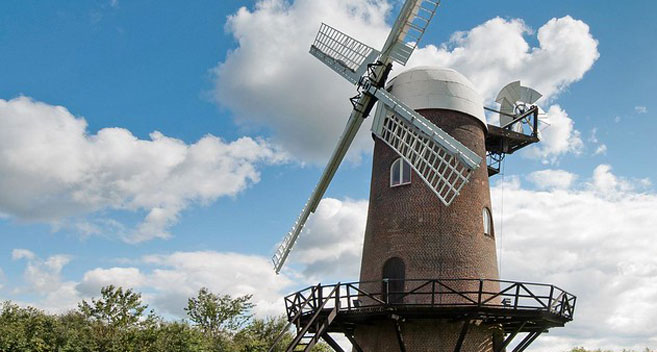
(516, 306)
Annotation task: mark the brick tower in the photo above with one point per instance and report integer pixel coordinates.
(429, 276)
(411, 235)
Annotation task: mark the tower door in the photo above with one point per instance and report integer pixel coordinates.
(394, 274)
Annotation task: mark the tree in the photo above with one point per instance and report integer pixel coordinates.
(116, 319)
(260, 335)
(116, 307)
(23, 329)
(216, 314)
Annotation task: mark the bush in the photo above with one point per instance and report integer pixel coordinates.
(117, 322)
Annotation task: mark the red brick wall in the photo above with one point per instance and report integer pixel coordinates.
(433, 240)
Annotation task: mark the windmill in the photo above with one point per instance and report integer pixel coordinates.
(431, 152)
(429, 278)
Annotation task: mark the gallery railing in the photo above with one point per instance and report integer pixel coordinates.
(433, 293)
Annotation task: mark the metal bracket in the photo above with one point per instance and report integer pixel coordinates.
(354, 344)
(527, 341)
(398, 331)
(464, 331)
(510, 338)
(329, 340)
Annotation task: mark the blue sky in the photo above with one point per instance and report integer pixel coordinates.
(186, 71)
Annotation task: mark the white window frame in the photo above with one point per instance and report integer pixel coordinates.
(400, 161)
(487, 221)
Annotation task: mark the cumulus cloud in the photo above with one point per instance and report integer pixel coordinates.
(594, 238)
(640, 109)
(42, 278)
(95, 279)
(332, 242)
(166, 281)
(269, 80)
(552, 179)
(557, 138)
(179, 275)
(54, 169)
(599, 147)
(497, 52)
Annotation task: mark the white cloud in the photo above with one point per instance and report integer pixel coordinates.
(165, 280)
(332, 241)
(98, 278)
(43, 279)
(552, 179)
(270, 79)
(22, 254)
(594, 239)
(41, 275)
(496, 53)
(53, 169)
(180, 275)
(557, 138)
(610, 185)
(640, 109)
(600, 148)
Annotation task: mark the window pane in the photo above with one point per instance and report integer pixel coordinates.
(406, 173)
(394, 173)
(488, 222)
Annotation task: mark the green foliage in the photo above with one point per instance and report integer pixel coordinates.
(260, 335)
(117, 322)
(216, 314)
(115, 308)
(26, 329)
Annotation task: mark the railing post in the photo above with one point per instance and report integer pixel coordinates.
(320, 299)
(433, 292)
(348, 296)
(481, 288)
(550, 299)
(515, 305)
(337, 296)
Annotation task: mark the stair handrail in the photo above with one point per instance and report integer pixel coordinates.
(303, 331)
(293, 320)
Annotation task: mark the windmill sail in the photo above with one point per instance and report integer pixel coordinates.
(441, 161)
(285, 247)
(342, 53)
(411, 23)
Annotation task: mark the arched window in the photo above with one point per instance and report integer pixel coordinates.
(488, 222)
(400, 173)
(394, 273)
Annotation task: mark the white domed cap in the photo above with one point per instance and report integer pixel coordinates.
(438, 88)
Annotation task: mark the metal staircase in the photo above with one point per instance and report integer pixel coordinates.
(312, 320)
